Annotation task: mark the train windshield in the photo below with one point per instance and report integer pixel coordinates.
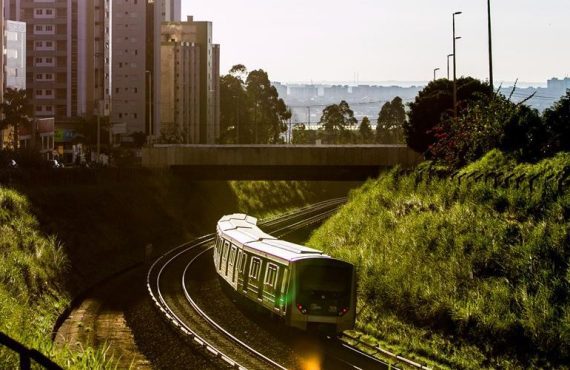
(325, 278)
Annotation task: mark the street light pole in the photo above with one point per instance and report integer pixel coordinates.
(149, 102)
(490, 46)
(449, 55)
(434, 73)
(454, 69)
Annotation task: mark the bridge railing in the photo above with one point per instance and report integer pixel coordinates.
(27, 355)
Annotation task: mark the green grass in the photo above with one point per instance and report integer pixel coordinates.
(55, 240)
(31, 289)
(269, 198)
(467, 275)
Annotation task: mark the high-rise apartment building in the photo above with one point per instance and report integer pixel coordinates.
(1, 58)
(67, 74)
(169, 10)
(15, 55)
(129, 59)
(188, 103)
(136, 26)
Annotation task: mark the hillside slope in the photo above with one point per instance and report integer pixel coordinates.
(470, 273)
(60, 237)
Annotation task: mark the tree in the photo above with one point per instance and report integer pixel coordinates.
(17, 110)
(525, 135)
(365, 131)
(268, 111)
(486, 124)
(233, 105)
(334, 120)
(87, 129)
(433, 104)
(251, 110)
(391, 119)
(557, 121)
(303, 136)
(171, 134)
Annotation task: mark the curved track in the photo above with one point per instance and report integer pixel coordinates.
(197, 309)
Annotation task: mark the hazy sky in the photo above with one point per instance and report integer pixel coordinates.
(332, 40)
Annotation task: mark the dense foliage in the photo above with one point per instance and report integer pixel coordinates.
(335, 120)
(463, 272)
(16, 110)
(557, 121)
(486, 123)
(391, 121)
(250, 108)
(365, 131)
(434, 104)
(31, 287)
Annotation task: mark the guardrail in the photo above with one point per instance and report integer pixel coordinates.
(27, 355)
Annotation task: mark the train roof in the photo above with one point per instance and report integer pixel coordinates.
(243, 229)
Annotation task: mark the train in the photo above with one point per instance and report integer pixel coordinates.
(304, 287)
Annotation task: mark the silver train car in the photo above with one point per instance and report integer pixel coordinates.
(301, 285)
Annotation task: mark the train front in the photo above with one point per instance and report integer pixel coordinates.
(324, 295)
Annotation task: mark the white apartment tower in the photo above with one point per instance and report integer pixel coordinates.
(67, 71)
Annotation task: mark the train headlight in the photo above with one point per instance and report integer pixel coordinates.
(301, 309)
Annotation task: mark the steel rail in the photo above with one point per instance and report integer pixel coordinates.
(218, 326)
(169, 314)
(212, 322)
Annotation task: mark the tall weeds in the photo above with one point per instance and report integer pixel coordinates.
(477, 265)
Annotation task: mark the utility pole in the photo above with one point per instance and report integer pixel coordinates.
(449, 55)
(454, 69)
(309, 117)
(434, 73)
(490, 46)
(149, 98)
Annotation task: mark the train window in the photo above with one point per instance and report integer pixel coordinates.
(255, 267)
(218, 245)
(241, 263)
(226, 249)
(233, 255)
(271, 275)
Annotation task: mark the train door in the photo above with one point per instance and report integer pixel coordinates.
(281, 301)
(219, 252)
(245, 273)
(232, 262)
(224, 266)
(239, 268)
(269, 284)
(260, 281)
(253, 285)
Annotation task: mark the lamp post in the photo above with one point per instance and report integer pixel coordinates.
(448, 56)
(434, 73)
(454, 69)
(149, 102)
(490, 46)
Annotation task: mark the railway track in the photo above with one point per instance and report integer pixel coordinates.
(184, 288)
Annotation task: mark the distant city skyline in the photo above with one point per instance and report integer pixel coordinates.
(378, 40)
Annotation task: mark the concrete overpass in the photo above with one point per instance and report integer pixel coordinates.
(278, 162)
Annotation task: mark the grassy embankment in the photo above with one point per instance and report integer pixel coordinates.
(466, 274)
(31, 286)
(60, 238)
